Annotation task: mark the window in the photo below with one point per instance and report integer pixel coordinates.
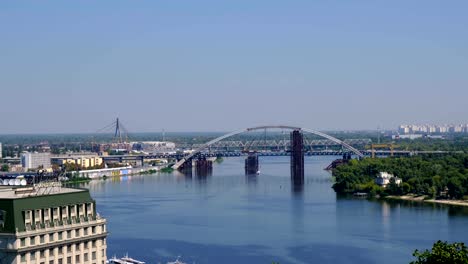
(94, 256)
(41, 254)
(51, 237)
(85, 257)
(77, 258)
(94, 230)
(32, 240)
(2, 217)
(60, 236)
(69, 260)
(51, 262)
(42, 239)
(60, 261)
(23, 257)
(85, 231)
(23, 242)
(69, 234)
(32, 255)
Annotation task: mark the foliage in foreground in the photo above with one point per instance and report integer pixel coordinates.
(443, 252)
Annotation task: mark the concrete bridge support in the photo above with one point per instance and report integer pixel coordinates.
(297, 157)
(203, 167)
(251, 164)
(186, 167)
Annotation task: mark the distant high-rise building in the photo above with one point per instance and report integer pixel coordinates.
(1, 153)
(35, 160)
(48, 223)
(403, 129)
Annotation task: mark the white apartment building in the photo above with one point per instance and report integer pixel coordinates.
(35, 160)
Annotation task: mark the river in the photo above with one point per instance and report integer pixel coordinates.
(232, 218)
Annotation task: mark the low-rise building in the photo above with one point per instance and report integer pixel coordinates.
(50, 224)
(383, 179)
(34, 160)
(84, 160)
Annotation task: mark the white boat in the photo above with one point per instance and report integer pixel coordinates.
(115, 260)
(131, 260)
(177, 261)
(124, 260)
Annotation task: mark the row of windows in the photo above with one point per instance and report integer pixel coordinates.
(61, 235)
(58, 212)
(64, 250)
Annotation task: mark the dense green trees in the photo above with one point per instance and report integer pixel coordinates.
(431, 175)
(443, 252)
(5, 167)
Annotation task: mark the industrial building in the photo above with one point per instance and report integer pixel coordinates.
(36, 160)
(154, 146)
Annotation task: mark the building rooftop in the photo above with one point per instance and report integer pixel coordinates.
(75, 155)
(16, 200)
(41, 189)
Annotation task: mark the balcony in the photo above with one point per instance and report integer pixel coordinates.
(60, 225)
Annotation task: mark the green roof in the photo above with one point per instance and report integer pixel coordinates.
(14, 206)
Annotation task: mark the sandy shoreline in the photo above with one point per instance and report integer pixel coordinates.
(422, 197)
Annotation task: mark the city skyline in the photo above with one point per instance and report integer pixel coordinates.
(210, 66)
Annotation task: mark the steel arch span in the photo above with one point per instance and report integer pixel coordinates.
(311, 131)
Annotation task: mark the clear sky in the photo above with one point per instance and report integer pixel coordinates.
(211, 65)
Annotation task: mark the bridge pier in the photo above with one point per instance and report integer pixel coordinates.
(186, 167)
(297, 157)
(251, 164)
(203, 167)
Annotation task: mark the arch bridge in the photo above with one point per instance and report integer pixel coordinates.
(311, 131)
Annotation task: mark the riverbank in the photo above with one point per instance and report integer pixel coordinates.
(423, 198)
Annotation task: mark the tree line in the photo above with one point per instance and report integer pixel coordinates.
(436, 176)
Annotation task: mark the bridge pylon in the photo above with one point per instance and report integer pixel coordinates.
(203, 167)
(297, 157)
(251, 164)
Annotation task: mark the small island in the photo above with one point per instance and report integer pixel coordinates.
(430, 178)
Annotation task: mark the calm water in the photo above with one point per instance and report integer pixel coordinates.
(231, 218)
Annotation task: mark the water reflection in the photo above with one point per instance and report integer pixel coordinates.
(297, 188)
(203, 175)
(251, 179)
(458, 210)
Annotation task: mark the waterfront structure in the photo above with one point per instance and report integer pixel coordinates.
(383, 179)
(115, 172)
(50, 224)
(154, 146)
(85, 160)
(35, 160)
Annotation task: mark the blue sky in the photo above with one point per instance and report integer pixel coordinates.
(73, 66)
